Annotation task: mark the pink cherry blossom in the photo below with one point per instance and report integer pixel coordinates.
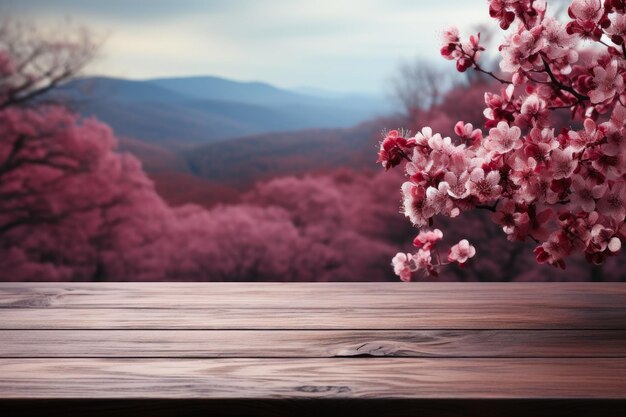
(554, 250)
(580, 140)
(485, 187)
(586, 10)
(461, 252)
(613, 202)
(608, 159)
(514, 223)
(603, 238)
(533, 112)
(585, 193)
(504, 139)
(402, 265)
(458, 185)
(393, 149)
(416, 205)
(427, 239)
(560, 45)
(440, 201)
(521, 50)
(562, 163)
(617, 29)
(423, 261)
(607, 82)
(542, 176)
(467, 131)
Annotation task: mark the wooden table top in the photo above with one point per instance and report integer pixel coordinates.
(468, 342)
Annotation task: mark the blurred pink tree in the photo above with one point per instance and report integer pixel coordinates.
(71, 208)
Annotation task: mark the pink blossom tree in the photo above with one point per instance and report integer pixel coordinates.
(558, 184)
(70, 207)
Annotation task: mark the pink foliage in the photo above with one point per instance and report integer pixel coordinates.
(71, 208)
(545, 181)
(69, 205)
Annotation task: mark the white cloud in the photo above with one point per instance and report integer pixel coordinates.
(332, 44)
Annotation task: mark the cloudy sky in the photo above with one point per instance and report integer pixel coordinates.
(338, 45)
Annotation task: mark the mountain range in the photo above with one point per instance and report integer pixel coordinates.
(188, 111)
(205, 140)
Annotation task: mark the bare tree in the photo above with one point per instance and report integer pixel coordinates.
(33, 61)
(419, 85)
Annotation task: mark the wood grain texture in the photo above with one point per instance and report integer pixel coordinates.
(268, 349)
(290, 296)
(481, 316)
(311, 343)
(314, 378)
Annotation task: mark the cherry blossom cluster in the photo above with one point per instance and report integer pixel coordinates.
(561, 186)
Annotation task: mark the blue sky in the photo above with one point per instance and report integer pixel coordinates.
(337, 45)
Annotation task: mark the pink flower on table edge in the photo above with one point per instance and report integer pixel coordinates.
(461, 252)
(402, 265)
(423, 261)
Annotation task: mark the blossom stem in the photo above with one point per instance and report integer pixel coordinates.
(487, 207)
(491, 74)
(533, 238)
(560, 85)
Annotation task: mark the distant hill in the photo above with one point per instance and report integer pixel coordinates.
(184, 112)
(215, 88)
(243, 161)
(154, 158)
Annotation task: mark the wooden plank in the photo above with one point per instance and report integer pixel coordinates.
(172, 295)
(311, 344)
(479, 317)
(314, 378)
(194, 407)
